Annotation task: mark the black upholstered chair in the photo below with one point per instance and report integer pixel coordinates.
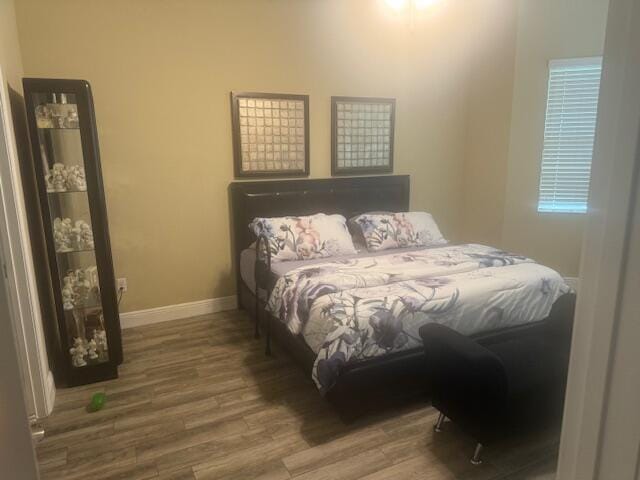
(504, 382)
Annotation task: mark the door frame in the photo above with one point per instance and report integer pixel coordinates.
(18, 269)
(605, 316)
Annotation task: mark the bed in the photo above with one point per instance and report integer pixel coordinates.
(308, 306)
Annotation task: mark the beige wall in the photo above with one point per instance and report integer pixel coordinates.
(505, 124)
(10, 58)
(469, 78)
(162, 70)
(547, 29)
(489, 98)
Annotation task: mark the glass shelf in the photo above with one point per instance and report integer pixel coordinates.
(50, 192)
(58, 128)
(87, 309)
(82, 250)
(94, 306)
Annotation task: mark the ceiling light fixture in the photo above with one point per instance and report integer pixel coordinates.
(422, 4)
(397, 4)
(413, 5)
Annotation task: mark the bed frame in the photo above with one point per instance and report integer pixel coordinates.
(345, 196)
(348, 197)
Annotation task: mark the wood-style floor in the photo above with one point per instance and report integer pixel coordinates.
(197, 399)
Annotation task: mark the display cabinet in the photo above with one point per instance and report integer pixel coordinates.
(66, 159)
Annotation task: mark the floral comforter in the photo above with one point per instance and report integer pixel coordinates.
(359, 308)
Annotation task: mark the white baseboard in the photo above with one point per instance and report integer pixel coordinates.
(176, 312)
(573, 282)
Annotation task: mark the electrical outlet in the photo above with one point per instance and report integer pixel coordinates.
(122, 285)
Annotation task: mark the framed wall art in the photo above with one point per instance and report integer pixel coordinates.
(362, 131)
(270, 134)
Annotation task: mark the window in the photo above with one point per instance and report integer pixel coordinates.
(569, 132)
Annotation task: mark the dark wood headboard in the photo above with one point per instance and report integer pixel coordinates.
(346, 196)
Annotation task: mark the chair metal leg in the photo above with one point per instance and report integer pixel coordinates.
(476, 459)
(438, 426)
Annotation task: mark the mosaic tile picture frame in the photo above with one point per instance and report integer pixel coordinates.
(270, 134)
(362, 133)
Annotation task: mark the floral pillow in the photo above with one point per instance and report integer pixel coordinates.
(304, 238)
(396, 230)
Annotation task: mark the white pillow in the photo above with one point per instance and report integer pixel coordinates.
(397, 230)
(304, 238)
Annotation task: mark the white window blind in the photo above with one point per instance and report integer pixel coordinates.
(569, 132)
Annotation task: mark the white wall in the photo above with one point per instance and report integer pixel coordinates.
(547, 29)
(39, 387)
(601, 430)
(15, 244)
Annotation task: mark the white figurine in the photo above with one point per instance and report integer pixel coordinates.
(92, 277)
(77, 287)
(76, 179)
(92, 347)
(71, 120)
(68, 296)
(75, 234)
(82, 286)
(69, 237)
(85, 237)
(59, 120)
(78, 352)
(57, 178)
(44, 116)
(61, 235)
(100, 337)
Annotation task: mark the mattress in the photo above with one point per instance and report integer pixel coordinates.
(364, 306)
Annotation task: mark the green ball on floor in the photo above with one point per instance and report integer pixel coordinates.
(97, 402)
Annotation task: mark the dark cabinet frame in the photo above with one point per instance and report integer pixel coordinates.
(66, 374)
